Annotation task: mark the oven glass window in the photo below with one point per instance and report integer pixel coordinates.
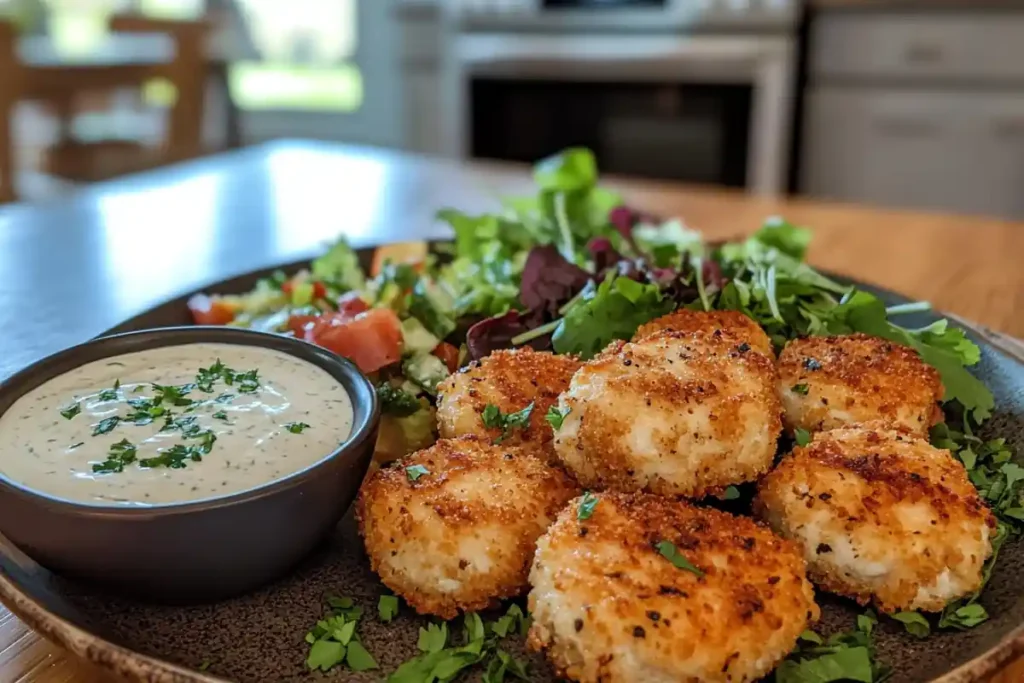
(696, 133)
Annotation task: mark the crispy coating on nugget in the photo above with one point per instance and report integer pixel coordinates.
(830, 382)
(881, 516)
(733, 322)
(510, 380)
(462, 534)
(608, 607)
(674, 414)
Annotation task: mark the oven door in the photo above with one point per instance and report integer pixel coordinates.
(703, 109)
(695, 133)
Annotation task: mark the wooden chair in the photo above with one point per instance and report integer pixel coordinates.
(44, 77)
(10, 87)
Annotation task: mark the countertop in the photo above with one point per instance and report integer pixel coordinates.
(71, 269)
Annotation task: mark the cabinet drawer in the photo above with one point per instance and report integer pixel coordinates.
(959, 152)
(986, 46)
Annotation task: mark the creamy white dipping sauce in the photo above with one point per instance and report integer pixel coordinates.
(296, 416)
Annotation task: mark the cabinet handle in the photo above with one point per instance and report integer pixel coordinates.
(892, 125)
(923, 53)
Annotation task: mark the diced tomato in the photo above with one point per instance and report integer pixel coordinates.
(288, 287)
(299, 323)
(352, 304)
(208, 311)
(449, 354)
(319, 291)
(371, 340)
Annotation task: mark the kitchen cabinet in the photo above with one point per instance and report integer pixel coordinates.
(422, 57)
(932, 118)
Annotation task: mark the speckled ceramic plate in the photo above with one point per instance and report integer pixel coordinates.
(259, 637)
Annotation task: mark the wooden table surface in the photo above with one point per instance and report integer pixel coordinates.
(72, 269)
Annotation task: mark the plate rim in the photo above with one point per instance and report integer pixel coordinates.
(126, 662)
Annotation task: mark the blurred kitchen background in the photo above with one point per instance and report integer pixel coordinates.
(901, 103)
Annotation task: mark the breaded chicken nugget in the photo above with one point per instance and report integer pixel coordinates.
(454, 527)
(509, 380)
(881, 516)
(653, 590)
(731, 322)
(830, 382)
(674, 414)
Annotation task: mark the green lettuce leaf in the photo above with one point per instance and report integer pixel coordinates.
(612, 310)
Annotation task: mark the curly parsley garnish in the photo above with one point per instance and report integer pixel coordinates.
(556, 416)
(493, 418)
(333, 640)
(668, 550)
(414, 472)
(586, 507)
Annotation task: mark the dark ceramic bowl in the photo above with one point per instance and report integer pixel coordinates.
(202, 550)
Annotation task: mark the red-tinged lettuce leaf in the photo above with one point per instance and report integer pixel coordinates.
(497, 333)
(603, 254)
(549, 281)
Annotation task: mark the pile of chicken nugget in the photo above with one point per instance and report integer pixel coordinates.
(597, 515)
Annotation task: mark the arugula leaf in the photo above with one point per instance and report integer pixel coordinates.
(801, 389)
(731, 493)
(915, 623)
(943, 347)
(387, 608)
(668, 550)
(556, 416)
(586, 507)
(611, 310)
(801, 436)
(848, 656)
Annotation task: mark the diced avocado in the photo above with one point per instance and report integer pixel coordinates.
(425, 371)
(302, 293)
(416, 337)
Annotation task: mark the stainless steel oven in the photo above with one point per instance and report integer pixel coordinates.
(712, 108)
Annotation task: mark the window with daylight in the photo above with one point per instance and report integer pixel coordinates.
(284, 54)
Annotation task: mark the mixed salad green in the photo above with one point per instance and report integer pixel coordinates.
(573, 268)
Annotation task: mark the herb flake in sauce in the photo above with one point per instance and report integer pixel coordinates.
(296, 427)
(72, 410)
(121, 453)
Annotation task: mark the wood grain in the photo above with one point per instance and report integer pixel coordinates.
(966, 265)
